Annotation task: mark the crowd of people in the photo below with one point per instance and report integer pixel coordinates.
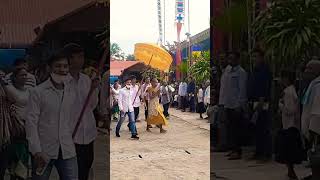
(244, 99)
(156, 99)
(39, 117)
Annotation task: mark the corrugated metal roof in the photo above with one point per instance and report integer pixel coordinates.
(19, 18)
(117, 67)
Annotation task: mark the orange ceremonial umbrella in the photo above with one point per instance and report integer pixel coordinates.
(153, 56)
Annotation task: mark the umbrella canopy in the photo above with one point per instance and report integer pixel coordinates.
(153, 55)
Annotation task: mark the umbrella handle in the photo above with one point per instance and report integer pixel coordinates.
(102, 61)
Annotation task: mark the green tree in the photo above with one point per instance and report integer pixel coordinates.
(200, 70)
(115, 50)
(183, 68)
(130, 57)
(289, 30)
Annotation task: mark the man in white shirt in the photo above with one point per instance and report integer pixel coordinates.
(235, 93)
(126, 108)
(22, 64)
(136, 97)
(87, 131)
(165, 93)
(310, 120)
(49, 124)
(207, 94)
(183, 94)
(145, 97)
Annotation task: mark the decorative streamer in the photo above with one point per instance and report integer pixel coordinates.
(180, 5)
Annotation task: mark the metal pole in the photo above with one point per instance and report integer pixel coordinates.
(189, 45)
(188, 16)
(164, 21)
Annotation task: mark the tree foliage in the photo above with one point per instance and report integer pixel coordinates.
(200, 70)
(130, 57)
(289, 30)
(115, 50)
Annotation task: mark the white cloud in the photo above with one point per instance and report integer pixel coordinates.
(134, 21)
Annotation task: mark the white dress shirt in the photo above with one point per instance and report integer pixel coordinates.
(311, 111)
(49, 122)
(200, 95)
(235, 90)
(136, 96)
(290, 108)
(125, 100)
(87, 130)
(165, 94)
(222, 85)
(207, 96)
(183, 89)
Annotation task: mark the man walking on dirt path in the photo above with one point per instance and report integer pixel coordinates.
(126, 108)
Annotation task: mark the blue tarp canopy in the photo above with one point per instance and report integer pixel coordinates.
(113, 79)
(8, 56)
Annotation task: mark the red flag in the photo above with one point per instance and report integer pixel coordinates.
(178, 52)
(218, 35)
(178, 62)
(179, 26)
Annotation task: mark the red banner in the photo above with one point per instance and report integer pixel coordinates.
(178, 51)
(217, 34)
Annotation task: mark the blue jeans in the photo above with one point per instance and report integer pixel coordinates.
(132, 122)
(67, 169)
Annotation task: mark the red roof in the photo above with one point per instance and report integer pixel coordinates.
(116, 67)
(19, 18)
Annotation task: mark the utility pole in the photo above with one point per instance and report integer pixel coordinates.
(188, 35)
(164, 21)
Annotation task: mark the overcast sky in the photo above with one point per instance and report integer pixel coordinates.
(135, 21)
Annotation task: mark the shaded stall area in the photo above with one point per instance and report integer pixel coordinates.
(85, 26)
(135, 70)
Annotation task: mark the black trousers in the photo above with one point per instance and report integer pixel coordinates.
(146, 110)
(4, 162)
(136, 113)
(192, 104)
(85, 156)
(166, 109)
(184, 102)
(236, 125)
(263, 135)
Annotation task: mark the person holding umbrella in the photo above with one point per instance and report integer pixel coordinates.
(155, 115)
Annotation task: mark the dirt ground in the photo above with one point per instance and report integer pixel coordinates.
(183, 153)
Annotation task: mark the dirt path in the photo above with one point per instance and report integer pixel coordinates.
(182, 153)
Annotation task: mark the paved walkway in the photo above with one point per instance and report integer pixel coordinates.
(181, 154)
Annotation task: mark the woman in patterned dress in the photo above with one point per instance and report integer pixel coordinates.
(155, 113)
